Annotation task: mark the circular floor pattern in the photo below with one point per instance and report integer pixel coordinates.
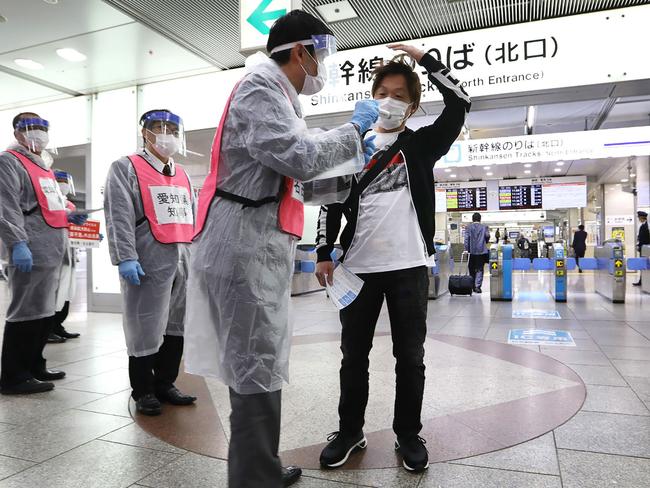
(480, 396)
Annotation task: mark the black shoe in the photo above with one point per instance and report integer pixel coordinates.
(50, 375)
(478, 290)
(579, 271)
(27, 387)
(175, 397)
(638, 283)
(148, 405)
(337, 452)
(55, 339)
(415, 456)
(290, 475)
(61, 332)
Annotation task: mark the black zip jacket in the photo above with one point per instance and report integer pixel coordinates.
(421, 149)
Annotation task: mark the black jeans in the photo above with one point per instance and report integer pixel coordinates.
(22, 350)
(406, 293)
(156, 372)
(253, 460)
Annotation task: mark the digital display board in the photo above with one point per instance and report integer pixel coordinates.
(520, 197)
(466, 199)
(565, 193)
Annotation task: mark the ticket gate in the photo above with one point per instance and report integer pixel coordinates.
(440, 271)
(560, 270)
(501, 266)
(645, 273)
(610, 275)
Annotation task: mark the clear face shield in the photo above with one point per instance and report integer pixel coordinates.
(34, 133)
(166, 133)
(324, 46)
(65, 181)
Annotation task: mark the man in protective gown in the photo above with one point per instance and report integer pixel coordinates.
(248, 222)
(150, 223)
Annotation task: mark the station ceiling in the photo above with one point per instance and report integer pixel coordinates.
(210, 28)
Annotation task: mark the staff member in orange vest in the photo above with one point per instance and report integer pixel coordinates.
(33, 220)
(150, 222)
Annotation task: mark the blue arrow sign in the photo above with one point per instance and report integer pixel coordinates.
(259, 17)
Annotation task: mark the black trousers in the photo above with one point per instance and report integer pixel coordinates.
(156, 372)
(406, 294)
(59, 318)
(253, 460)
(22, 350)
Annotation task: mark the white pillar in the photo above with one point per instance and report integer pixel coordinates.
(114, 134)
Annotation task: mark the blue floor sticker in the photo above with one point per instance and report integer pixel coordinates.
(536, 313)
(540, 337)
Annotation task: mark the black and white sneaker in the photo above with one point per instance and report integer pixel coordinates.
(340, 446)
(415, 456)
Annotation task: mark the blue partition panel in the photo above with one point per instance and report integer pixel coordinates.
(522, 264)
(588, 264)
(638, 264)
(570, 264)
(543, 264)
(308, 266)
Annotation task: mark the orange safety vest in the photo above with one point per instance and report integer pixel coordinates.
(48, 195)
(291, 213)
(167, 202)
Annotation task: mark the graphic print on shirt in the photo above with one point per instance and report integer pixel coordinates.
(392, 178)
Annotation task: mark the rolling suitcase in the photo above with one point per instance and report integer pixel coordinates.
(462, 284)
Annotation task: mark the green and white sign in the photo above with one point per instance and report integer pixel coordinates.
(256, 18)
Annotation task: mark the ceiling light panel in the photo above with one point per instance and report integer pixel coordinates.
(336, 12)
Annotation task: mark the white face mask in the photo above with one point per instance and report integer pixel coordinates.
(36, 140)
(397, 110)
(314, 84)
(166, 144)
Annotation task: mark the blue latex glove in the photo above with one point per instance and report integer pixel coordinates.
(131, 271)
(369, 148)
(21, 257)
(77, 219)
(365, 114)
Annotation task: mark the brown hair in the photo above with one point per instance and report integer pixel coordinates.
(399, 68)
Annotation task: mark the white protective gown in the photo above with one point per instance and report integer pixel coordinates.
(33, 294)
(156, 307)
(240, 273)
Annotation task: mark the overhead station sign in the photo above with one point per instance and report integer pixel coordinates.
(531, 56)
(596, 144)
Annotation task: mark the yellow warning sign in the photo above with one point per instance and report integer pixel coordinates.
(618, 272)
(559, 263)
(495, 266)
(559, 272)
(618, 263)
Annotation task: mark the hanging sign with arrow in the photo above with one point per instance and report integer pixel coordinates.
(256, 18)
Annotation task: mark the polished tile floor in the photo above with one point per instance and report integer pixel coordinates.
(495, 415)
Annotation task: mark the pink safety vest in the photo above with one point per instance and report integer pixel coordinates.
(48, 195)
(167, 202)
(291, 212)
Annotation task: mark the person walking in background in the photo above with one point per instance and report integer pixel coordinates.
(477, 236)
(643, 237)
(579, 244)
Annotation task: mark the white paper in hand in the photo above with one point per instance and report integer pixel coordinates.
(346, 287)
